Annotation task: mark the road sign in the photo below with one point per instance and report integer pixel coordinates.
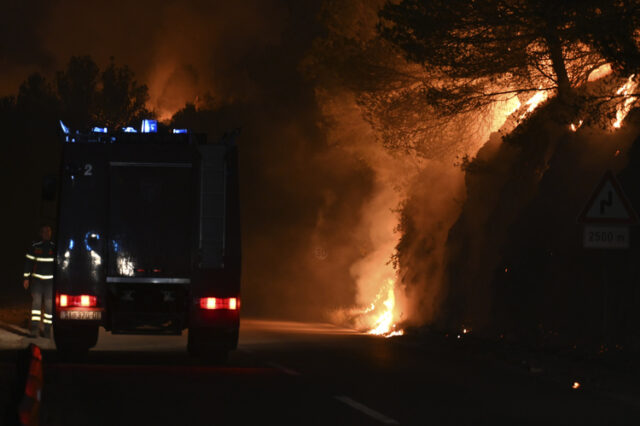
(606, 236)
(608, 205)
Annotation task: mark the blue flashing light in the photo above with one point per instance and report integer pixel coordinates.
(116, 247)
(149, 126)
(86, 239)
(129, 130)
(99, 130)
(71, 244)
(65, 129)
(179, 131)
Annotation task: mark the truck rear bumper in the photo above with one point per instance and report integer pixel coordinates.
(223, 319)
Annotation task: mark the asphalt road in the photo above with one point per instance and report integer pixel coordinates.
(304, 374)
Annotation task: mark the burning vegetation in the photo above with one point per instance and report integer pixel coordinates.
(415, 126)
(435, 81)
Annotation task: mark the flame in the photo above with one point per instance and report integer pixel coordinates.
(384, 322)
(379, 318)
(575, 127)
(600, 72)
(533, 102)
(575, 385)
(623, 109)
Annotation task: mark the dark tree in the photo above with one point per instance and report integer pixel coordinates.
(77, 87)
(89, 97)
(120, 100)
(36, 97)
(475, 52)
(353, 61)
(612, 28)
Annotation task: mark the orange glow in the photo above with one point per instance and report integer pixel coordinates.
(575, 127)
(384, 321)
(533, 102)
(623, 109)
(575, 385)
(377, 310)
(601, 71)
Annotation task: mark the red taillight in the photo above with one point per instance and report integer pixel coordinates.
(210, 303)
(83, 300)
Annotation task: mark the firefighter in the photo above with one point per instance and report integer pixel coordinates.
(38, 275)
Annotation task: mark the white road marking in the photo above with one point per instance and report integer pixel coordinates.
(366, 410)
(283, 369)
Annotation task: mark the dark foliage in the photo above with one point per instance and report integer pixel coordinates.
(477, 52)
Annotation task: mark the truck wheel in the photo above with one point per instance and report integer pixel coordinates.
(199, 344)
(75, 340)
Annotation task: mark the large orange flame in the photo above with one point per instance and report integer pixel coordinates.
(533, 103)
(623, 109)
(384, 313)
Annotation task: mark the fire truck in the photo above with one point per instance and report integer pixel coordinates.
(148, 238)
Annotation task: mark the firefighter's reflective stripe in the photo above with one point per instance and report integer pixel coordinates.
(36, 312)
(35, 317)
(27, 274)
(40, 260)
(43, 277)
(47, 321)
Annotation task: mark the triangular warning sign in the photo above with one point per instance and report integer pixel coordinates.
(608, 204)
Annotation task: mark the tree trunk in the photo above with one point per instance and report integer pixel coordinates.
(559, 66)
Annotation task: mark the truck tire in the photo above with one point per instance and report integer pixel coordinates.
(75, 340)
(200, 344)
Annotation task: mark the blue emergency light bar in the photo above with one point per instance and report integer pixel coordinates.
(149, 132)
(149, 126)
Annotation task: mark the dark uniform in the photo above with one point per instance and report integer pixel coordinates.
(39, 266)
